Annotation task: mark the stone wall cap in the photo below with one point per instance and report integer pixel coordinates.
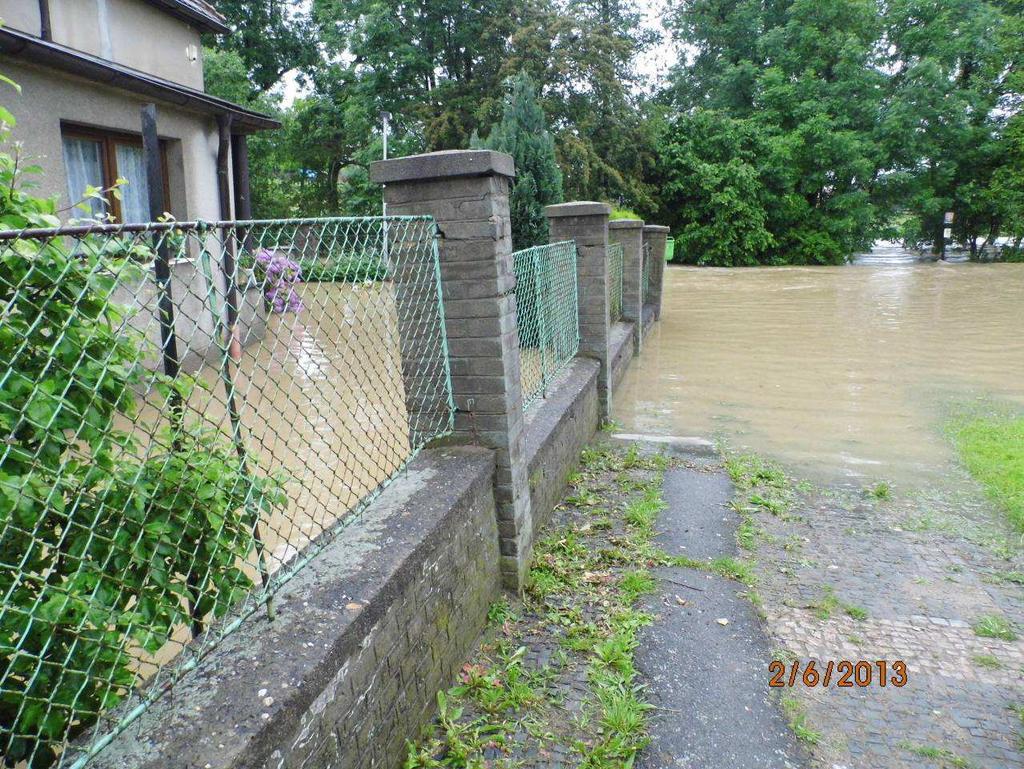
(577, 208)
(625, 224)
(655, 228)
(438, 165)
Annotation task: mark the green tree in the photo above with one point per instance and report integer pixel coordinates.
(716, 196)
(523, 134)
(794, 87)
(1007, 189)
(583, 54)
(944, 113)
(270, 37)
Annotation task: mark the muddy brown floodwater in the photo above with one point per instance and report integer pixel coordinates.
(838, 371)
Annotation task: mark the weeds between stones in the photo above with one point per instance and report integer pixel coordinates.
(987, 661)
(994, 626)
(554, 675)
(942, 756)
(797, 717)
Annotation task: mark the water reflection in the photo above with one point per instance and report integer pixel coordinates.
(832, 369)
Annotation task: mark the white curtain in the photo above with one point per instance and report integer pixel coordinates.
(131, 166)
(83, 159)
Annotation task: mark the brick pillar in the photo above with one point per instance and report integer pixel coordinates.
(629, 232)
(467, 193)
(587, 223)
(657, 236)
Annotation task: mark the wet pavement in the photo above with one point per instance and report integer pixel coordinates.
(705, 658)
(840, 578)
(910, 579)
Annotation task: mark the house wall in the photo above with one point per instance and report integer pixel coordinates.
(22, 15)
(128, 32)
(47, 98)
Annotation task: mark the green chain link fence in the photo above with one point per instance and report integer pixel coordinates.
(190, 412)
(546, 307)
(615, 271)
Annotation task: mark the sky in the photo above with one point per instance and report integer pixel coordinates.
(655, 63)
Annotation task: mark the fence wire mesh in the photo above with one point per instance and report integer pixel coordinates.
(546, 308)
(647, 265)
(189, 412)
(615, 271)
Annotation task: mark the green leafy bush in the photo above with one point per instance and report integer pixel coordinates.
(104, 548)
(353, 268)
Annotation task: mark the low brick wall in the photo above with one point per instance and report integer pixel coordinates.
(365, 636)
(556, 431)
(622, 351)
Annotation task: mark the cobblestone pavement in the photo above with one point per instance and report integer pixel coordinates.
(845, 576)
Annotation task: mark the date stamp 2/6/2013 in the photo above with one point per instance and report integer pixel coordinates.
(844, 673)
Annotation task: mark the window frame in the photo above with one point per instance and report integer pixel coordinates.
(108, 140)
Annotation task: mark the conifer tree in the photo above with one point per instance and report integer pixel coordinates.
(523, 134)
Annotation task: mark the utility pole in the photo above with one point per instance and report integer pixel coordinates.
(385, 121)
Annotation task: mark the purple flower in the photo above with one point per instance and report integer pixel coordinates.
(281, 276)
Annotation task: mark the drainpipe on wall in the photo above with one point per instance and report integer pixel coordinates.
(223, 152)
(240, 176)
(45, 31)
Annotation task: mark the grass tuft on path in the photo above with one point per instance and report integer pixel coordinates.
(992, 449)
(553, 675)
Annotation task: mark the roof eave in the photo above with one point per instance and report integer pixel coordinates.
(203, 21)
(42, 52)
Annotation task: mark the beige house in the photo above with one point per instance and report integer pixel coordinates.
(86, 69)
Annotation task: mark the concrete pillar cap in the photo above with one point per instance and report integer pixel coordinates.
(625, 224)
(655, 228)
(577, 208)
(440, 165)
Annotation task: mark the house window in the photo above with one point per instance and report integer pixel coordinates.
(100, 158)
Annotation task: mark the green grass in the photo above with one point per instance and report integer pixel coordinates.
(987, 661)
(643, 512)
(994, 626)
(942, 756)
(830, 604)
(634, 584)
(992, 449)
(725, 566)
(582, 591)
(881, 491)
(1013, 577)
(623, 213)
(797, 717)
(856, 612)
